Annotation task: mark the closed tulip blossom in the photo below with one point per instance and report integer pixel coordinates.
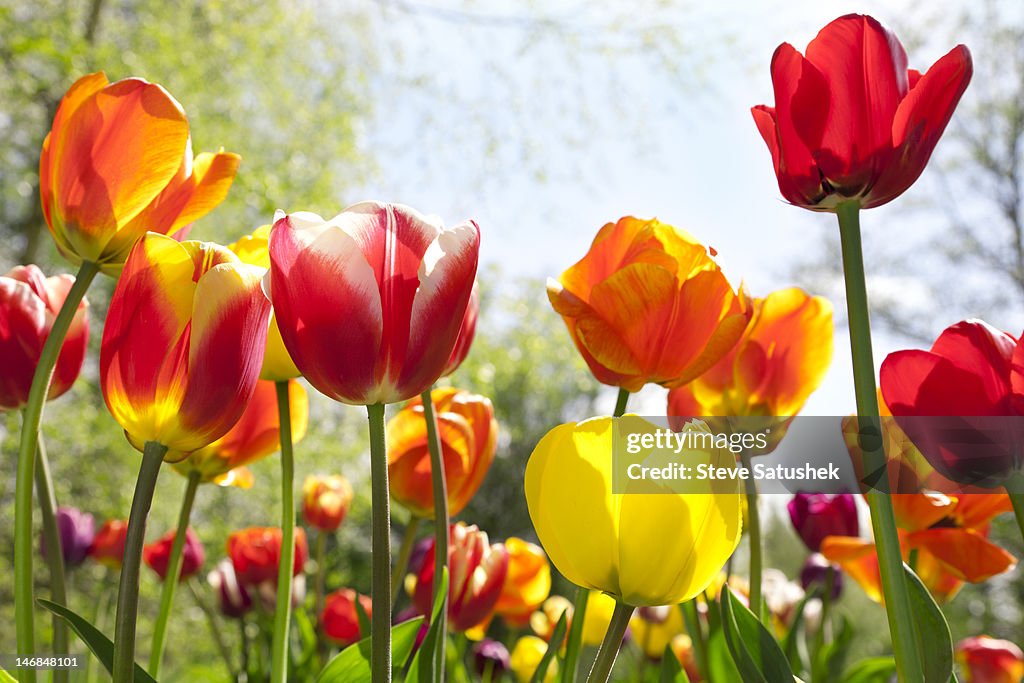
(648, 304)
(108, 544)
(256, 435)
(527, 584)
(118, 163)
(183, 343)
(815, 572)
(233, 599)
(990, 660)
(29, 302)
(817, 515)
(339, 619)
(255, 553)
(466, 333)
(525, 658)
(544, 620)
(469, 438)
(157, 555)
(77, 530)
(325, 501)
(400, 285)
(477, 571)
(851, 121)
(490, 656)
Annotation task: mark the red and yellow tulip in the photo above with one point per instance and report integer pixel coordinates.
(29, 302)
(469, 437)
(108, 544)
(183, 343)
(325, 501)
(648, 303)
(527, 584)
(255, 553)
(400, 285)
(118, 163)
(990, 660)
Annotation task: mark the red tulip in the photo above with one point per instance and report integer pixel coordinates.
(108, 544)
(29, 302)
(158, 555)
(256, 552)
(477, 573)
(850, 121)
(325, 501)
(971, 370)
(340, 619)
(466, 333)
(371, 302)
(990, 660)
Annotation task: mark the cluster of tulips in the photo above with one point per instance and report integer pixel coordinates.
(203, 347)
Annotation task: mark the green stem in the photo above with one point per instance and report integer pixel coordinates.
(754, 523)
(128, 589)
(693, 628)
(286, 564)
(620, 403)
(100, 622)
(890, 558)
(404, 553)
(439, 487)
(54, 554)
(821, 636)
(380, 565)
(605, 660)
(174, 562)
(23, 591)
(1017, 499)
(215, 630)
(322, 647)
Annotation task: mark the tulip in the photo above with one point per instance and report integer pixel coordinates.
(339, 619)
(817, 515)
(401, 283)
(654, 628)
(255, 553)
(543, 621)
(527, 583)
(254, 249)
(157, 555)
(76, 530)
(118, 163)
(850, 121)
(490, 656)
(466, 334)
(477, 571)
(29, 301)
(990, 660)
(526, 656)
(815, 572)
(232, 597)
(108, 545)
(325, 501)
(682, 648)
(648, 303)
(469, 438)
(255, 436)
(600, 609)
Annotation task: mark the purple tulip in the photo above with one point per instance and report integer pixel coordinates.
(491, 652)
(232, 598)
(817, 515)
(76, 530)
(815, 573)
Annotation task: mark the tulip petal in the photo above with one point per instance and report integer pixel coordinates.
(964, 553)
(858, 559)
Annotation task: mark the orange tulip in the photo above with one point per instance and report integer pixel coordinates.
(108, 544)
(781, 358)
(527, 583)
(256, 435)
(648, 303)
(469, 437)
(183, 343)
(325, 501)
(118, 163)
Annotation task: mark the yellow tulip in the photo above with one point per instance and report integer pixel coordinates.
(597, 617)
(641, 548)
(526, 656)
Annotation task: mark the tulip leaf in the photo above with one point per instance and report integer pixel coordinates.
(421, 670)
(6, 677)
(874, 670)
(671, 670)
(830, 658)
(720, 664)
(352, 665)
(791, 641)
(362, 616)
(99, 644)
(557, 636)
(934, 641)
(758, 657)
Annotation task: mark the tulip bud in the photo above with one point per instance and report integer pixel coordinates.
(77, 530)
(490, 655)
(325, 501)
(815, 573)
(817, 515)
(108, 544)
(544, 620)
(256, 552)
(526, 656)
(232, 597)
(158, 555)
(340, 618)
(990, 660)
(682, 647)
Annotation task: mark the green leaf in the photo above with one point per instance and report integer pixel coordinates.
(934, 642)
(422, 668)
(875, 670)
(99, 644)
(362, 616)
(352, 665)
(758, 657)
(557, 636)
(6, 677)
(671, 670)
(722, 668)
(790, 644)
(831, 658)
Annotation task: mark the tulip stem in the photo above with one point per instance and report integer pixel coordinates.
(23, 590)
(693, 628)
(754, 522)
(439, 487)
(286, 563)
(620, 403)
(128, 589)
(605, 660)
(1017, 500)
(380, 565)
(174, 562)
(890, 559)
(215, 630)
(54, 554)
(404, 553)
